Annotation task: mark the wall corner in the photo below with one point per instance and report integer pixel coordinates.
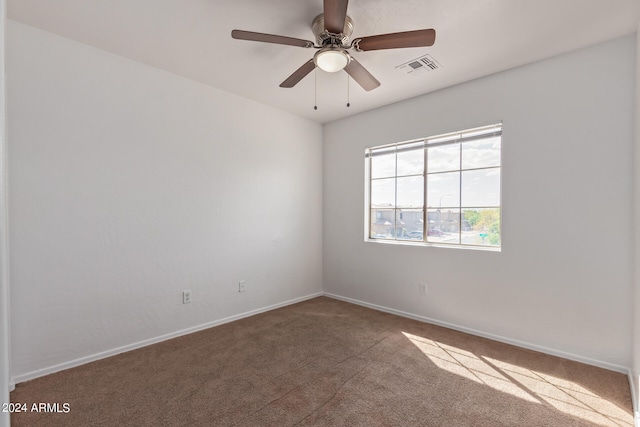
(634, 373)
(5, 373)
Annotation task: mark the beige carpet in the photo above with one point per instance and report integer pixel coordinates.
(328, 363)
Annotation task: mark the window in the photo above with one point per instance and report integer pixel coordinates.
(441, 190)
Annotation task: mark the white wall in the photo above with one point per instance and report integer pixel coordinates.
(562, 282)
(128, 185)
(636, 236)
(5, 373)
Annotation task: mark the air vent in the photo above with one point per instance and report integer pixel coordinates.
(419, 65)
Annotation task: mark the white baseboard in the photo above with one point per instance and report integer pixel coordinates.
(517, 343)
(634, 398)
(108, 353)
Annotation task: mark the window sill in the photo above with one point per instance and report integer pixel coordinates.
(434, 245)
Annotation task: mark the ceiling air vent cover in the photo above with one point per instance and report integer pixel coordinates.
(419, 65)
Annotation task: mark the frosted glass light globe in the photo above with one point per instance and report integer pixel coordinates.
(331, 60)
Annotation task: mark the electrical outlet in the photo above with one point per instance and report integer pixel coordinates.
(186, 297)
(242, 286)
(423, 289)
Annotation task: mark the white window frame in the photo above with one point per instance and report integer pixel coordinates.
(458, 137)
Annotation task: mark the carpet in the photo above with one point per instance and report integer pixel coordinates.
(325, 362)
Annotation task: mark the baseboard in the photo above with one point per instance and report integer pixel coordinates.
(517, 343)
(634, 398)
(108, 353)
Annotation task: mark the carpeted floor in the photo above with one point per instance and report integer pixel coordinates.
(325, 362)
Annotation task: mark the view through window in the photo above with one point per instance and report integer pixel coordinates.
(443, 189)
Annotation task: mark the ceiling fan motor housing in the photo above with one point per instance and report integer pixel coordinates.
(324, 38)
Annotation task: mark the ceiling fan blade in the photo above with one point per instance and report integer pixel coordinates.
(269, 38)
(361, 75)
(417, 38)
(299, 74)
(335, 14)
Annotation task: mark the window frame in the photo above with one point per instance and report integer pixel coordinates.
(458, 138)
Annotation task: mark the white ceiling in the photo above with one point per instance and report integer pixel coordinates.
(191, 38)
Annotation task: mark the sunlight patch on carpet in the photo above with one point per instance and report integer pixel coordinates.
(535, 387)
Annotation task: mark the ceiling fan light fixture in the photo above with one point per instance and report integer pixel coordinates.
(331, 59)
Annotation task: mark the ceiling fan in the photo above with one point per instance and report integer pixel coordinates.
(332, 30)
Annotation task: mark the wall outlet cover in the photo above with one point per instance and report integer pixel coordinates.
(186, 297)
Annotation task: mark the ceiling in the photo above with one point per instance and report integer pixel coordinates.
(192, 39)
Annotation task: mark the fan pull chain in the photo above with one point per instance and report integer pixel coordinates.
(315, 88)
(348, 99)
